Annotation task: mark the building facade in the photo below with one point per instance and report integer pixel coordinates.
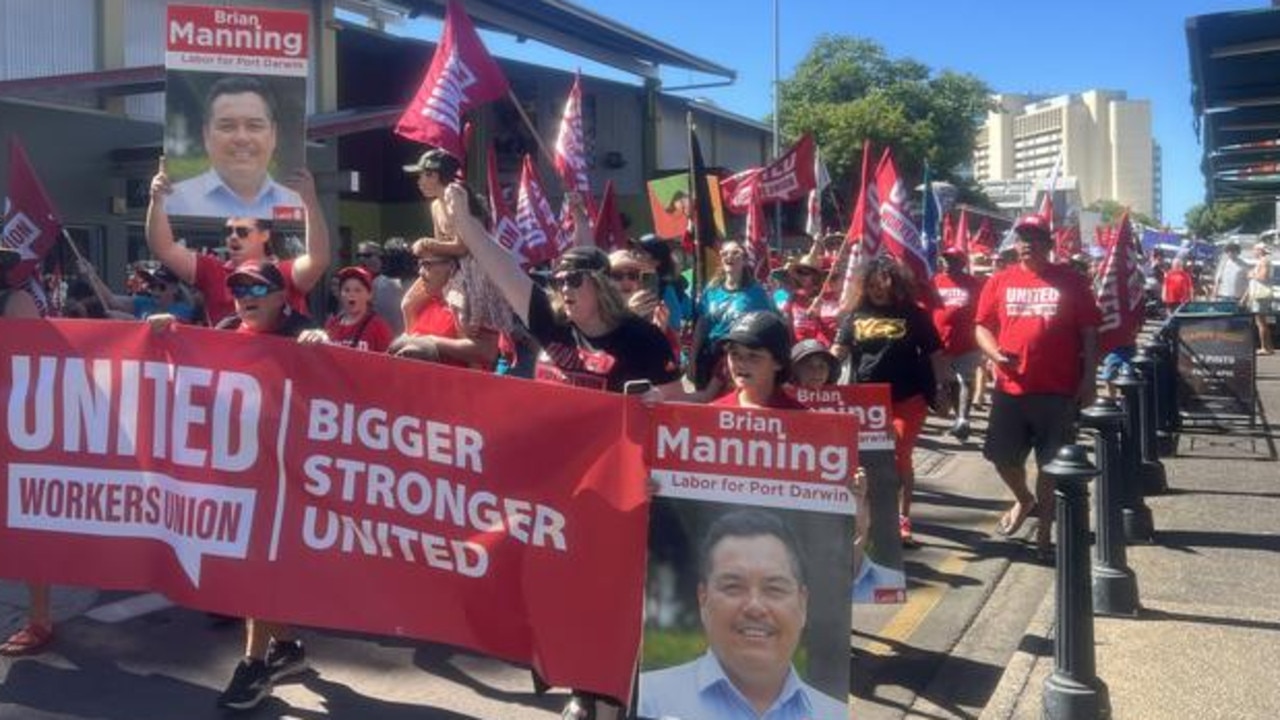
(1102, 138)
(93, 70)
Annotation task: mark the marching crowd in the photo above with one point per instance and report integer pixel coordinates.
(1018, 323)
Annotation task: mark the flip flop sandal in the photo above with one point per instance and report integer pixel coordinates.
(1009, 525)
(27, 641)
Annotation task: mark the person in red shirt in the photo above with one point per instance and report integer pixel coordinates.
(356, 324)
(1178, 286)
(813, 313)
(272, 650)
(1038, 324)
(954, 320)
(434, 331)
(247, 241)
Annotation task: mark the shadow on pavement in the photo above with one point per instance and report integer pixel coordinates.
(1186, 540)
(1163, 615)
(342, 702)
(100, 689)
(435, 659)
(970, 683)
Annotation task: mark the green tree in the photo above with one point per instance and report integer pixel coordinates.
(848, 89)
(1221, 217)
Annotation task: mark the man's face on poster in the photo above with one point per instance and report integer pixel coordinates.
(240, 138)
(753, 606)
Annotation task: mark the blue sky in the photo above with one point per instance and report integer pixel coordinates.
(1138, 46)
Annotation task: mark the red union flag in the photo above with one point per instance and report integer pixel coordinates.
(505, 230)
(1119, 290)
(462, 75)
(791, 176)
(30, 223)
(539, 232)
(328, 488)
(899, 235)
(571, 147)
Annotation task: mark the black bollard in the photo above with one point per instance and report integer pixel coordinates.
(1166, 394)
(1137, 521)
(1073, 691)
(1115, 587)
(1154, 479)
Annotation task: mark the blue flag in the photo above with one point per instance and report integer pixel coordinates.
(930, 221)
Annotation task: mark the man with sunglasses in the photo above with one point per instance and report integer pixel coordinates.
(272, 653)
(246, 241)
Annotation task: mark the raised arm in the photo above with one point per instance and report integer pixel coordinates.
(160, 240)
(308, 268)
(110, 300)
(497, 263)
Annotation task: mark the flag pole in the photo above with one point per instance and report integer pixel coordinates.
(80, 261)
(699, 264)
(546, 152)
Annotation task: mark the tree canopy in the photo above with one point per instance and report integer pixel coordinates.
(1205, 221)
(1112, 210)
(848, 89)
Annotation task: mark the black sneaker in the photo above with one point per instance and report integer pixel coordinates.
(285, 659)
(250, 684)
(961, 430)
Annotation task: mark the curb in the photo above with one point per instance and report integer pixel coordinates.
(1010, 694)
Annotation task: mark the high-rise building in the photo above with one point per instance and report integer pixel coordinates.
(1102, 137)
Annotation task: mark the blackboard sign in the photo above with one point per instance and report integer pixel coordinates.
(1216, 365)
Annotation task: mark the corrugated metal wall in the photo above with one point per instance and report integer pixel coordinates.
(46, 37)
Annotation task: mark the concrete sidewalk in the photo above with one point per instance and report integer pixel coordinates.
(1206, 642)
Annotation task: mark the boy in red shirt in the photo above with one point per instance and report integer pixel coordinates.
(1038, 324)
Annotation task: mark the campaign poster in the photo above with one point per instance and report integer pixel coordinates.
(879, 571)
(235, 110)
(750, 563)
(671, 205)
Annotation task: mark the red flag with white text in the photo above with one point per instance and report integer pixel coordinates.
(985, 240)
(540, 233)
(462, 75)
(30, 222)
(571, 148)
(898, 233)
(505, 230)
(863, 237)
(1119, 289)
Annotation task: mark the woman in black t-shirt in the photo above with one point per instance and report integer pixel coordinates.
(890, 339)
(588, 337)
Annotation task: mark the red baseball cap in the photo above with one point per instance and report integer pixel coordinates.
(1033, 225)
(355, 271)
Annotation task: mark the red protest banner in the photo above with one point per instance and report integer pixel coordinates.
(794, 460)
(326, 487)
(870, 403)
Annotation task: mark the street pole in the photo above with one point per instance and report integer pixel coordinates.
(777, 139)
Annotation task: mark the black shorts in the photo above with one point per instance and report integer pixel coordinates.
(1019, 423)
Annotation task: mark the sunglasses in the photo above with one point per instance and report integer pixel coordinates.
(632, 275)
(256, 290)
(240, 231)
(573, 279)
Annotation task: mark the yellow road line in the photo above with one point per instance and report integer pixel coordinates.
(920, 602)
